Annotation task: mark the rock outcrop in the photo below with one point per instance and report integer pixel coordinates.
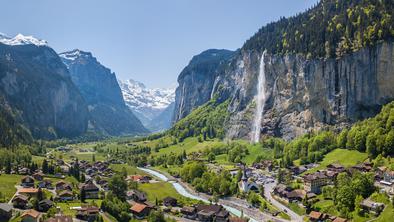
(99, 87)
(197, 80)
(302, 95)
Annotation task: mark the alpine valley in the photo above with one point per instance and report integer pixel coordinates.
(297, 124)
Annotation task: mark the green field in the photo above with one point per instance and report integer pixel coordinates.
(7, 185)
(345, 157)
(130, 169)
(161, 190)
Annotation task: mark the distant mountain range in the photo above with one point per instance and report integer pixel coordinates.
(154, 107)
(100, 89)
(46, 95)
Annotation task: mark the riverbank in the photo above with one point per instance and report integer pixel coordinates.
(235, 206)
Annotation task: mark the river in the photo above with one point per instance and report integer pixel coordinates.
(182, 191)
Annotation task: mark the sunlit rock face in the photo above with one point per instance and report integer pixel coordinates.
(301, 95)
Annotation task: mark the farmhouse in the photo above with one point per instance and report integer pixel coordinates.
(27, 181)
(140, 210)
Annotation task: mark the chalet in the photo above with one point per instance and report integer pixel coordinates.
(31, 216)
(38, 176)
(339, 219)
(60, 218)
(296, 195)
(189, 212)
(315, 181)
(170, 202)
(281, 190)
(212, 213)
(45, 205)
(140, 210)
(336, 167)
(45, 184)
(28, 191)
(139, 178)
(136, 195)
(371, 206)
(62, 185)
(388, 176)
(380, 172)
(296, 170)
(20, 201)
(5, 212)
(65, 195)
(88, 213)
(91, 190)
(27, 181)
(315, 216)
(363, 167)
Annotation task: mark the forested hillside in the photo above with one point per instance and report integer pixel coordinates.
(331, 28)
(374, 136)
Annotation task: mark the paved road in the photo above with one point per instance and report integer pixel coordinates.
(268, 188)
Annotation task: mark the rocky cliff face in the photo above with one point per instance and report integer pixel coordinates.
(197, 80)
(36, 86)
(99, 87)
(302, 95)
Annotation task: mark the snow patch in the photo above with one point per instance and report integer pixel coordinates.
(21, 40)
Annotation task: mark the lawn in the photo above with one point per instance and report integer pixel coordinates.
(345, 157)
(130, 169)
(159, 190)
(189, 145)
(65, 207)
(7, 185)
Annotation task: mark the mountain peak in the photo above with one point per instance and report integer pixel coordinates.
(22, 40)
(75, 54)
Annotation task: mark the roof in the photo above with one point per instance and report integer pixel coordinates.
(137, 207)
(315, 214)
(296, 193)
(30, 178)
(33, 213)
(188, 209)
(21, 197)
(339, 219)
(169, 199)
(335, 165)
(89, 186)
(213, 208)
(65, 192)
(5, 207)
(28, 190)
(60, 219)
(46, 201)
(314, 176)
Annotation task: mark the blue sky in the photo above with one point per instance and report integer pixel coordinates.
(146, 40)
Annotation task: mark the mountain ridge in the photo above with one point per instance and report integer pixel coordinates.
(148, 103)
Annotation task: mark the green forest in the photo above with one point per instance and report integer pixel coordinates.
(332, 28)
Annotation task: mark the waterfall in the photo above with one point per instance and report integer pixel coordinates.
(260, 101)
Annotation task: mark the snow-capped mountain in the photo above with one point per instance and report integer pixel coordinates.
(21, 40)
(148, 103)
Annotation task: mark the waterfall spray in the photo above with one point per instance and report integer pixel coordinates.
(260, 101)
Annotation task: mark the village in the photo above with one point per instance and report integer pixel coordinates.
(51, 193)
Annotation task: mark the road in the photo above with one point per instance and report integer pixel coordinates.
(268, 188)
